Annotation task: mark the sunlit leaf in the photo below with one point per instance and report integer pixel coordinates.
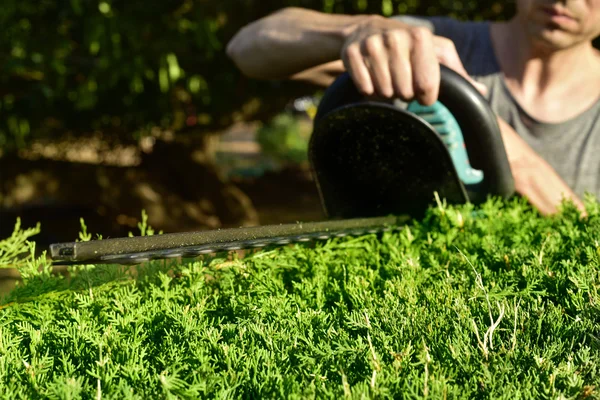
(174, 70)
(104, 7)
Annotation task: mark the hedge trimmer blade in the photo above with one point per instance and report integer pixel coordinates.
(134, 250)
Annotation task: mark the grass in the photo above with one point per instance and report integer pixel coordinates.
(489, 302)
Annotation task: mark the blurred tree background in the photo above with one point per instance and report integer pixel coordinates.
(124, 69)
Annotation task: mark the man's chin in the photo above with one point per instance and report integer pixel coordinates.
(553, 39)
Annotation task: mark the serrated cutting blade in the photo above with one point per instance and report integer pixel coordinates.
(134, 250)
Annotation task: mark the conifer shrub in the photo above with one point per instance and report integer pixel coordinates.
(494, 301)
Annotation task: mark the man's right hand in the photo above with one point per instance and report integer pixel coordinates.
(390, 59)
(384, 56)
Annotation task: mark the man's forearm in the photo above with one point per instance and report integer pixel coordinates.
(289, 41)
(534, 178)
(321, 75)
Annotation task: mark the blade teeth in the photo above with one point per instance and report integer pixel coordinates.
(205, 251)
(198, 252)
(138, 259)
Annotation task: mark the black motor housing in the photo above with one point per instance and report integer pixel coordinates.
(371, 158)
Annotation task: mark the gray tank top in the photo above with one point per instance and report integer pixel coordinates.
(571, 147)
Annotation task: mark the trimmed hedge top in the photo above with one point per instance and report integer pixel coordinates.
(489, 302)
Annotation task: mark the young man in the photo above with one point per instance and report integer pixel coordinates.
(539, 72)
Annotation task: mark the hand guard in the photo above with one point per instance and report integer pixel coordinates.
(444, 123)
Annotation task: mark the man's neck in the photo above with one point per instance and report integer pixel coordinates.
(537, 77)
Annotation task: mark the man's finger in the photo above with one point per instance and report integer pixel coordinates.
(357, 69)
(399, 64)
(426, 69)
(377, 61)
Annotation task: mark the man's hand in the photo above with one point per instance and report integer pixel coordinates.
(391, 59)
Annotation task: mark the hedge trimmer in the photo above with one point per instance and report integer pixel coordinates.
(376, 165)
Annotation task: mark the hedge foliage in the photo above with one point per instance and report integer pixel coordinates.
(125, 66)
(494, 302)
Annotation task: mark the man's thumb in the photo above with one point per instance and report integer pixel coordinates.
(448, 56)
(458, 67)
(481, 88)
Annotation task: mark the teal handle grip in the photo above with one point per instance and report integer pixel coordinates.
(444, 123)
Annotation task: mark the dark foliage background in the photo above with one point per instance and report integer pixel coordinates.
(121, 67)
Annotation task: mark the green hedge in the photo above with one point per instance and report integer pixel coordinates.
(496, 302)
(124, 66)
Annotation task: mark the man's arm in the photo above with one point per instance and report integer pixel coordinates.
(385, 57)
(290, 41)
(321, 75)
